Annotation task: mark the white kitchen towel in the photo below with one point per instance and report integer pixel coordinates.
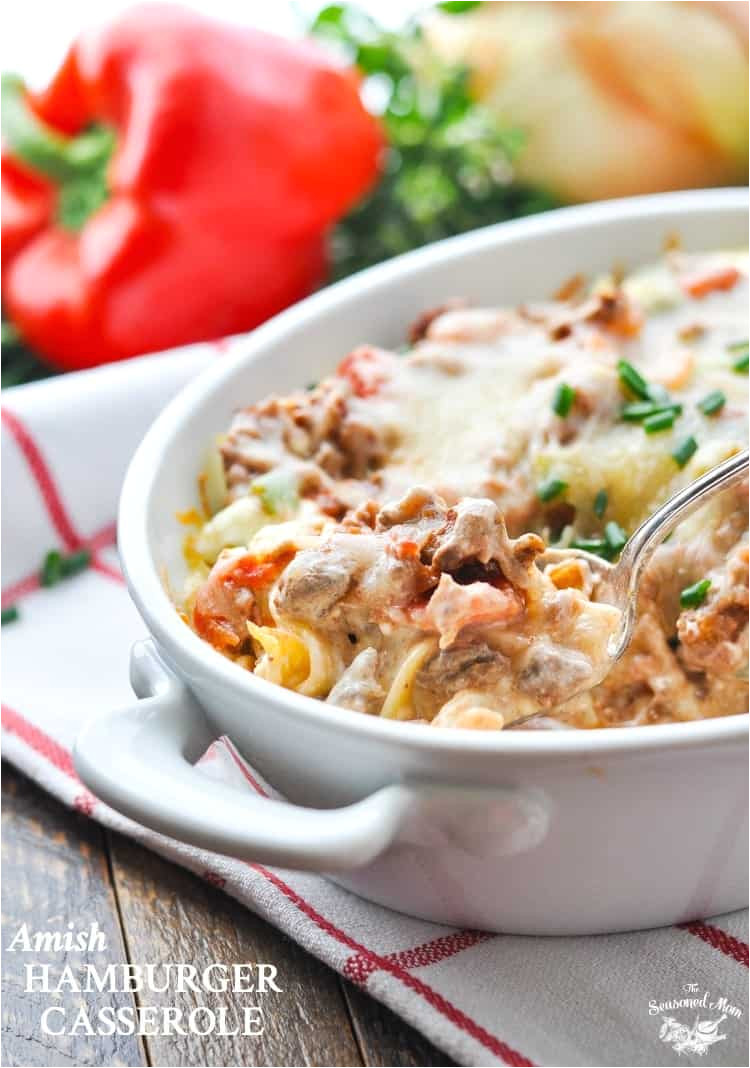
(485, 999)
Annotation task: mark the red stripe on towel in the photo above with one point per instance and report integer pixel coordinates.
(20, 589)
(108, 570)
(441, 1004)
(422, 956)
(440, 948)
(37, 740)
(243, 768)
(718, 939)
(52, 751)
(44, 480)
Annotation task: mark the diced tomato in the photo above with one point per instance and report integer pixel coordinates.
(224, 602)
(250, 573)
(704, 282)
(366, 369)
(215, 629)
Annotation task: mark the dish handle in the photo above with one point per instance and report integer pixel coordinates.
(140, 760)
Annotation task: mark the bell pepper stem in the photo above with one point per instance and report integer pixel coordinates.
(76, 164)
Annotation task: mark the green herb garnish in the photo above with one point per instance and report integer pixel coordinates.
(9, 614)
(639, 411)
(448, 164)
(608, 547)
(615, 537)
(75, 563)
(51, 572)
(600, 503)
(457, 7)
(663, 420)
(742, 349)
(633, 380)
(712, 402)
(695, 595)
(551, 488)
(684, 451)
(57, 567)
(597, 546)
(564, 399)
(654, 408)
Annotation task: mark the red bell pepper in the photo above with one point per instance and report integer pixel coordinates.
(174, 183)
(28, 202)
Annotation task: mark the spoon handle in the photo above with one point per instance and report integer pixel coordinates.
(626, 576)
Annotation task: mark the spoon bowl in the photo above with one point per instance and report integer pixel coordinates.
(618, 584)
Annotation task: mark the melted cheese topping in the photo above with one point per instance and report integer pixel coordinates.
(472, 411)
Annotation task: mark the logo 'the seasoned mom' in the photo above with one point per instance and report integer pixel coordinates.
(251, 981)
(703, 1031)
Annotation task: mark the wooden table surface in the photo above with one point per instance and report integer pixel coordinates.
(59, 867)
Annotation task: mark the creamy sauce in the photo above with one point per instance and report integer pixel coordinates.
(473, 412)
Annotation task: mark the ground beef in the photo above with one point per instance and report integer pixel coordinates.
(713, 637)
(476, 532)
(318, 426)
(314, 581)
(471, 667)
(548, 670)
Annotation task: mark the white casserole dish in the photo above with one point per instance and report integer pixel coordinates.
(559, 832)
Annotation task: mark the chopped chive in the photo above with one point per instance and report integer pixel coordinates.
(551, 488)
(9, 614)
(741, 348)
(615, 537)
(712, 402)
(684, 451)
(695, 595)
(565, 396)
(597, 546)
(659, 421)
(600, 503)
(57, 567)
(608, 547)
(51, 572)
(75, 563)
(638, 410)
(633, 379)
(641, 410)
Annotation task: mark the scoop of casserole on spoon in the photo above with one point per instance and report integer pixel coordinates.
(618, 584)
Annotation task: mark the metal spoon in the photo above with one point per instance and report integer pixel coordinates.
(618, 583)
